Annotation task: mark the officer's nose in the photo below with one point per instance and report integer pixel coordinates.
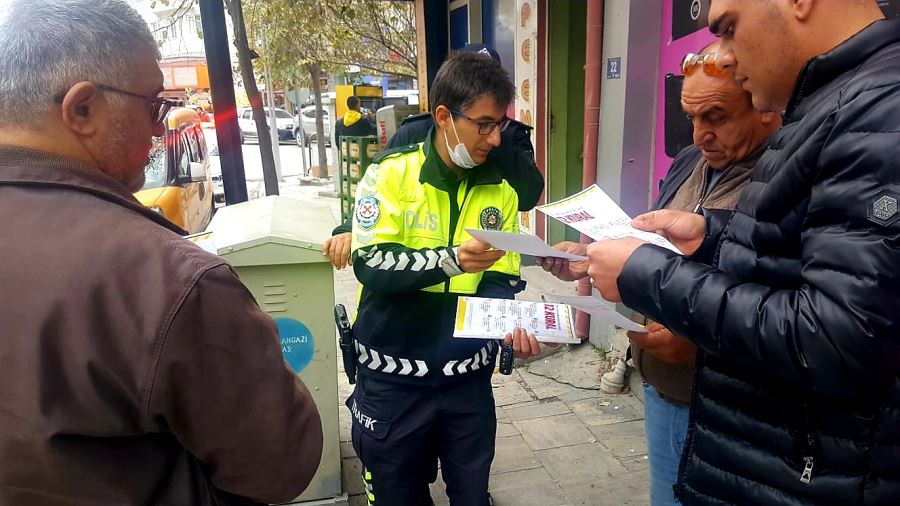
(494, 137)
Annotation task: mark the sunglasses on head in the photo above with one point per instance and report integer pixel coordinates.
(708, 62)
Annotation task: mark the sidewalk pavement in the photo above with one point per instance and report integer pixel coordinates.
(560, 440)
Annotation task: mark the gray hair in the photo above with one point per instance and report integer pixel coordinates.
(46, 46)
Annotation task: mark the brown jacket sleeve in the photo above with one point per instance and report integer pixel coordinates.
(223, 389)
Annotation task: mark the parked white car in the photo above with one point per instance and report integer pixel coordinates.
(305, 125)
(283, 121)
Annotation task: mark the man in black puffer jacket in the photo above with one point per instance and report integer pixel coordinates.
(797, 395)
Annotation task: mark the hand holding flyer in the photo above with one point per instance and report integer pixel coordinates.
(593, 213)
(525, 244)
(482, 318)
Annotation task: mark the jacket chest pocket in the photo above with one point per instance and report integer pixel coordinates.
(423, 224)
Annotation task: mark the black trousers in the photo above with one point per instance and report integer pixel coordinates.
(401, 432)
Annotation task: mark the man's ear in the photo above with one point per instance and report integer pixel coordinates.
(442, 116)
(801, 9)
(79, 108)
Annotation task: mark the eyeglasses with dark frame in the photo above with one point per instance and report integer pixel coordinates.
(484, 127)
(159, 107)
(708, 62)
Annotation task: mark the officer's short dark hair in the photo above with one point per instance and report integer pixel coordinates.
(466, 77)
(353, 102)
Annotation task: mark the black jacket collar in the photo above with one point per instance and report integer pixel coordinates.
(436, 173)
(824, 68)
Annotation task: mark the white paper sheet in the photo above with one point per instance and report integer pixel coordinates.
(483, 318)
(520, 243)
(594, 214)
(597, 308)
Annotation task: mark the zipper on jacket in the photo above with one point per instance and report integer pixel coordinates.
(707, 190)
(687, 452)
(699, 203)
(806, 476)
(808, 445)
(455, 212)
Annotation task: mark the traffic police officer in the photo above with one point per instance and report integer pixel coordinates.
(421, 395)
(514, 156)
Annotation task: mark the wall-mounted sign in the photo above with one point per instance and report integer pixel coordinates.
(526, 81)
(614, 68)
(688, 16)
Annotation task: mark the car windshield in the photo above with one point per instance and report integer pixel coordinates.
(281, 114)
(155, 172)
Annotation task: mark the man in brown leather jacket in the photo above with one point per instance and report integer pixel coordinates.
(134, 367)
(729, 136)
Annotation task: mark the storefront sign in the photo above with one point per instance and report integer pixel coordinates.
(526, 80)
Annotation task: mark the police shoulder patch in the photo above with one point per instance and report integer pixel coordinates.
(491, 218)
(367, 212)
(883, 209)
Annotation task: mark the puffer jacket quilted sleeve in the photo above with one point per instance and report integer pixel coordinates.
(808, 280)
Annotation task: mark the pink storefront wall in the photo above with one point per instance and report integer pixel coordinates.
(670, 56)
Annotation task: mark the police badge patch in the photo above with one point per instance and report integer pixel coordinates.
(367, 212)
(491, 218)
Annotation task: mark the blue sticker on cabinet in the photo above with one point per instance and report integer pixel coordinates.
(297, 344)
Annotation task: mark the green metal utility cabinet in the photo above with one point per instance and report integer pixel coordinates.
(274, 243)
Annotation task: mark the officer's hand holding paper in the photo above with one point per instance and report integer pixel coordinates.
(525, 244)
(483, 318)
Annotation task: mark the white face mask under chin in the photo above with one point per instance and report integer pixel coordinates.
(459, 155)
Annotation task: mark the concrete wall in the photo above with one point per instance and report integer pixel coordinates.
(631, 31)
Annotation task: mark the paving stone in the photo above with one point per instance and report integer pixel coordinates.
(530, 487)
(625, 440)
(439, 490)
(344, 422)
(358, 500)
(585, 463)
(510, 393)
(536, 410)
(347, 450)
(631, 490)
(502, 417)
(520, 405)
(608, 409)
(532, 495)
(344, 386)
(351, 473)
(638, 463)
(545, 388)
(580, 394)
(512, 454)
(506, 429)
(578, 365)
(553, 432)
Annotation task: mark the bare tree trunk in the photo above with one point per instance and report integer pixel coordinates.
(245, 60)
(315, 73)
